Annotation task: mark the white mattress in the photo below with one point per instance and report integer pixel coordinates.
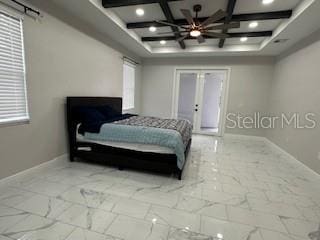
(131, 146)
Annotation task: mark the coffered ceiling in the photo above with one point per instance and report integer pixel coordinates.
(289, 20)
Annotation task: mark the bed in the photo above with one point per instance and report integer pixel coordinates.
(128, 141)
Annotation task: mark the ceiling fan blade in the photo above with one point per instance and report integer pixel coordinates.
(171, 24)
(201, 39)
(224, 26)
(216, 35)
(182, 38)
(215, 17)
(187, 14)
(164, 33)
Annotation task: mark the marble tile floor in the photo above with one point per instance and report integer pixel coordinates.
(232, 189)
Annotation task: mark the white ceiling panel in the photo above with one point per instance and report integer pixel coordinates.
(151, 12)
(253, 6)
(236, 41)
(208, 42)
(144, 32)
(208, 7)
(168, 44)
(268, 25)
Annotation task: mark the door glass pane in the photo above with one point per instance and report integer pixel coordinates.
(211, 101)
(187, 93)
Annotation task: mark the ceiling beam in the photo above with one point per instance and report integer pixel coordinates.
(237, 17)
(231, 35)
(124, 3)
(169, 17)
(230, 9)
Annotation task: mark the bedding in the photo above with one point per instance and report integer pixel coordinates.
(92, 118)
(184, 127)
(95, 125)
(126, 145)
(170, 133)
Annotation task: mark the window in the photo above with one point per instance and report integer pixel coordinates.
(129, 72)
(13, 97)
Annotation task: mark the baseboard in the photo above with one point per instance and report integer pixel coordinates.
(244, 137)
(56, 162)
(276, 147)
(272, 145)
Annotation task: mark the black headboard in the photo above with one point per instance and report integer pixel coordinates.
(114, 102)
(72, 121)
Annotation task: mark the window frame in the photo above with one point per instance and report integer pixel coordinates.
(26, 118)
(133, 66)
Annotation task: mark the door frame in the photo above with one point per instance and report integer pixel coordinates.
(224, 93)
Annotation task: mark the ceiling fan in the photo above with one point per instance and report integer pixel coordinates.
(197, 29)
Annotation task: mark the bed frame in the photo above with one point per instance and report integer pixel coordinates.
(119, 157)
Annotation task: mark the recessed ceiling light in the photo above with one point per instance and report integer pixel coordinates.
(152, 29)
(253, 24)
(243, 39)
(163, 42)
(220, 236)
(266, 2)
(140, 12)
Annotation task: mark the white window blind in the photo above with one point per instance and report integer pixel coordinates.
(13, 97)
(129, 72)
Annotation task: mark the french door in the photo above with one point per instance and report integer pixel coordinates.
(199, 97)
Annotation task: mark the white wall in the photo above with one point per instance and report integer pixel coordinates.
(296, 89)
(60, 61)
(248, 92)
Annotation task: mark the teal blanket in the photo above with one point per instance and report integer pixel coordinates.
(140, 134)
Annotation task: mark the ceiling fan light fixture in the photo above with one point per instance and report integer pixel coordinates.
(195, 33)
(195, 29)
